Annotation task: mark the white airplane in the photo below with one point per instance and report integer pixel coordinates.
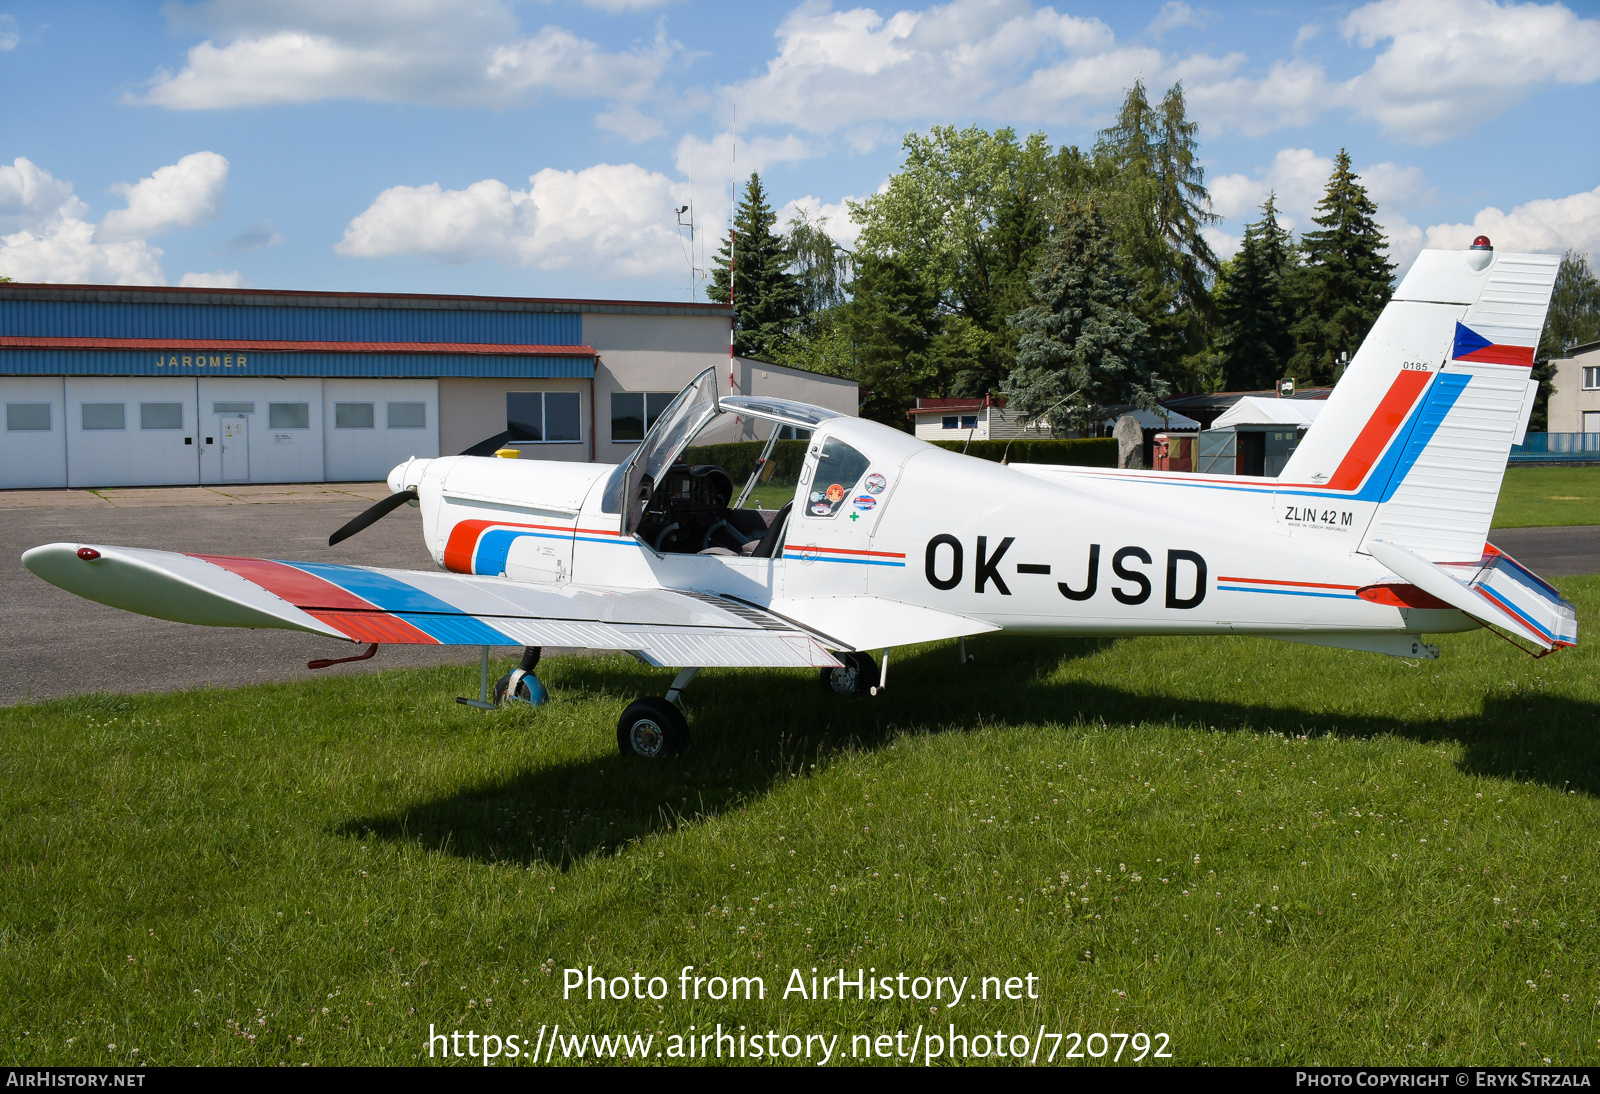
(1374, 535)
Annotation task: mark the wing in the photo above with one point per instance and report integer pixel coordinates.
(411, 606)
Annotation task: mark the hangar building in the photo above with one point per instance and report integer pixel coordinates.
(129, 386)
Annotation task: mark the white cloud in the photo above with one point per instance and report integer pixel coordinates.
(443, 52)
(839, 69)
(610, 219)
(1175, 15)
(29, 195)
(1223, 245)
(1298, 176)
(218, 279)
(616, 7)
(835, 218)
(8, 33)
(714, 162)
(1551, 224)
(256, 237)
(1451, 64)
(46, 237)
(181, 195)
(1438, 67)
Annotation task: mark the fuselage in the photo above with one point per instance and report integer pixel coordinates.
(1060, 551)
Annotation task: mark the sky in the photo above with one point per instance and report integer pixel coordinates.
(543, 148)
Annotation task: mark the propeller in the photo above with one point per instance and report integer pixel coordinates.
(372, 515)
(487, 447)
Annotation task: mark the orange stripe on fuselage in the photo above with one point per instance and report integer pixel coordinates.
(1379, 430)
(463, 542)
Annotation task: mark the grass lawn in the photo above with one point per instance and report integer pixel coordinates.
(1540, 497)
(1270, 853)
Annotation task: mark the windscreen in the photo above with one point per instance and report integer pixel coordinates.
(694, 406)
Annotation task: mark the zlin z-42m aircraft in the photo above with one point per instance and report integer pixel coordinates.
(850, 536)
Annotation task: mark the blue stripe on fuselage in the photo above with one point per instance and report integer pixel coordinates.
(494, 545)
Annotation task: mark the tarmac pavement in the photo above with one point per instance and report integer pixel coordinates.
(53, 643)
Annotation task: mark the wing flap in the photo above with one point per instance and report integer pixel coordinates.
(874, 622)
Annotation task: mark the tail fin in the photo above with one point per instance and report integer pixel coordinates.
(1424, 417)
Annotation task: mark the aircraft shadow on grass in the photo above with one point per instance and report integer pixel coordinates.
(753, 730)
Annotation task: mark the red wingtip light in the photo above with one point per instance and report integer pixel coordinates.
(1482, 244)
(88, 554)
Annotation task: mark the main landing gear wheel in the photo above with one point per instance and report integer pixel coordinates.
(856, 675)
(652, 728)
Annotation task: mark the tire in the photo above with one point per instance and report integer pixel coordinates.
(857, 674)
(652, 729)
(530, 690)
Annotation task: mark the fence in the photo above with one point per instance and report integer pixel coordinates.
(1557, 448)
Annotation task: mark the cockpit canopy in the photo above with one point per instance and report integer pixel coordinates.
(736, 435)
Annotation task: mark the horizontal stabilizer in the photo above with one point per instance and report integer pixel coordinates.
(1488, 597)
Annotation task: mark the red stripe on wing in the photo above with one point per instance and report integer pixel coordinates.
(299, 588)
(375, 627)
(1380, 428)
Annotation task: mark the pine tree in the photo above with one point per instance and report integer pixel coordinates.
(1152, 189)
(766, 301)
(890, 321)
(1253, 338)
(1081, 346)
(1344, 280)
(1573, 320)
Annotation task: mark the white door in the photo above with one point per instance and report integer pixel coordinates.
(235, 445)
(282, 427)
(369, 426)
(131, 431)
(33, 446)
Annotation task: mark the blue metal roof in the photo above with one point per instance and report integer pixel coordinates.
(117, 319)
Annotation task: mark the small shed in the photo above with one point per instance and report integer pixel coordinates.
(985, 419)
(1255, 436)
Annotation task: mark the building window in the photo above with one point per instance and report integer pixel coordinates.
(27, 417)
(289, 415)
(543, 417)
(104, 416)
(634, 412)
(949, 423)
(160, 415)
(408, 415)
(233, 408)
(352, 416)
(969, 421)
(1591, 378)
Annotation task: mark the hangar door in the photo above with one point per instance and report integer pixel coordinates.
(33, 447)
(131, 431)
(369, 426)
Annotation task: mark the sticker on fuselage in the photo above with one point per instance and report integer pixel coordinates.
(875, 484)
(863, 501)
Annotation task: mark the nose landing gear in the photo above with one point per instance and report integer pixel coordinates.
(520, 685)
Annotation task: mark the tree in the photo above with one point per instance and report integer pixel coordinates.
(1152, 189)
(1343, 281)
(766, 299)
(821, 268)
(1081, 345)
(1253, 318)
(967, 213)
(889, 324)
(1573, 320)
